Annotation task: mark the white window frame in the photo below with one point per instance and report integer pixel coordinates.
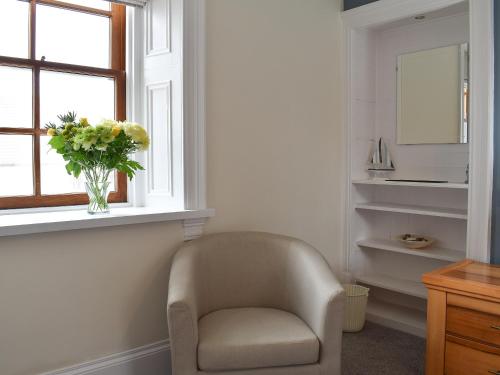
(192, 210)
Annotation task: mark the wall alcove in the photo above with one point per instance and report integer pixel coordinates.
(456, 213)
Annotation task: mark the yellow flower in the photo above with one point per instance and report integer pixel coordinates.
(84, 121)
(116, 130)
(138, 135)
(144, 143)
(51, 132)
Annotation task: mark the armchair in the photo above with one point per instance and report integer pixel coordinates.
(248, 303)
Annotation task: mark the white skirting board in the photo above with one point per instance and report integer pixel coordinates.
(151, 359)
(397, 325)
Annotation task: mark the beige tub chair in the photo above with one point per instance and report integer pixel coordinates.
(249, 303)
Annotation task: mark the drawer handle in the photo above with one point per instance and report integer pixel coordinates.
(495, 327)
(494, 372)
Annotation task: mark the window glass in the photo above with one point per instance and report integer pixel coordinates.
(16, 165)
(76, 38)
(14, 22)
(97, 4)
(15, 97)
(88, 96)
(54, 178)
(73, 43)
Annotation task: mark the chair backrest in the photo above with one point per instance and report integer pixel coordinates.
(243, 269)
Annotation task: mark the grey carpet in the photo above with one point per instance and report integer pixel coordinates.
(379, 350)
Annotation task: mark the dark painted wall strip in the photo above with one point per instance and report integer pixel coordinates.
(495, 225)
(349, 4)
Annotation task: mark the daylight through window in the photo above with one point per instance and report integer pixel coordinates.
(55, 57)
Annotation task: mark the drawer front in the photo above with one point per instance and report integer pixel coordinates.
(473, 324)
(462, 360)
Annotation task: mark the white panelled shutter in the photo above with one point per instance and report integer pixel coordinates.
(162, 110)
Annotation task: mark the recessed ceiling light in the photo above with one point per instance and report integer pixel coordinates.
(420, 18)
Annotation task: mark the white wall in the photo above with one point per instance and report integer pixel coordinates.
(274, 118)
(274, 164)
(73, 296)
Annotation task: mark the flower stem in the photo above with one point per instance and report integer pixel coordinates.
(97, 185)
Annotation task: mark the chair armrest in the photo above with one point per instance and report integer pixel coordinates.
(317, 297)
(182, 313)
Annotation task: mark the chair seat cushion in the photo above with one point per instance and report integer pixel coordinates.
(249, 338)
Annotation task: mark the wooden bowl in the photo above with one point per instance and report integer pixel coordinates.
(415, 241)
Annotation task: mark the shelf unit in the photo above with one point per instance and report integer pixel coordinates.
(451, 213)
(432, 253)
(447, 185)
(411, 288)
(378, 209)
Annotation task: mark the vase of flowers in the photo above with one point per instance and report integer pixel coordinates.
(96, 151)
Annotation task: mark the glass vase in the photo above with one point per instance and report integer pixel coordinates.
(97, 187)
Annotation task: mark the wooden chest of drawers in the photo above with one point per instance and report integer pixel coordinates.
(463, 320)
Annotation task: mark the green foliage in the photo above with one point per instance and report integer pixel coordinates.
(69, 117)
(105, 147)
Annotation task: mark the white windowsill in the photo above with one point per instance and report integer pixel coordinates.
(41, 222)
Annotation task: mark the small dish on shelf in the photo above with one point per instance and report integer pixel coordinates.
(415, 241)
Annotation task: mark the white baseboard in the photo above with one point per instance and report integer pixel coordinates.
(398, 317)
(151, 359)
(397, 325)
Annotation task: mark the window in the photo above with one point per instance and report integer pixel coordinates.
(165, 92)
(55, 56)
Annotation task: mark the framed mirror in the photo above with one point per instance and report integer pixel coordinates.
(433, 91)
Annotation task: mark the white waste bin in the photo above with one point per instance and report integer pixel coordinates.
(356, 297)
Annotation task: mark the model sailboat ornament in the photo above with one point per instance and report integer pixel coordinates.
(380, 161)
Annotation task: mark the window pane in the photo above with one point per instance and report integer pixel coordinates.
(90, 97)
(15, 97)
(98, 4)
(72, 37)
(16, 165)
(14, 28)
(54, 178)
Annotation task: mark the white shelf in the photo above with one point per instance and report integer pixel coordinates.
(432, 252)
(406, 319)
(452, 213)
(411, 288)
(448, 185)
